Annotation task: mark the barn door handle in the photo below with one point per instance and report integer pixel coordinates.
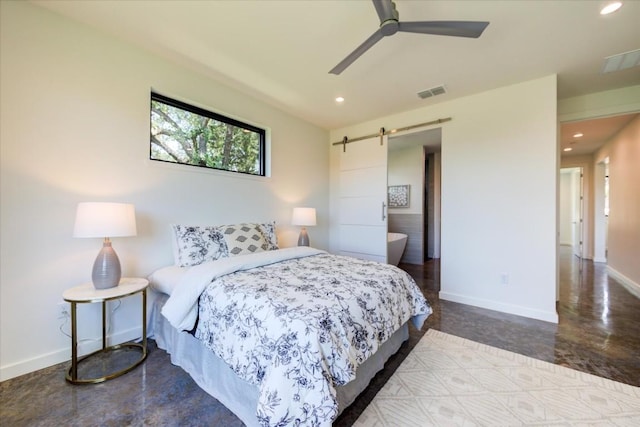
(383, 206)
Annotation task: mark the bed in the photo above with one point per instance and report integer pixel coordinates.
(279, 336)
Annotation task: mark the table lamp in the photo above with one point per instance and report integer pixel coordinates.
(105, 220)
(304, 217)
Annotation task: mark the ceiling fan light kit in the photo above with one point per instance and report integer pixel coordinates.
(390, 24)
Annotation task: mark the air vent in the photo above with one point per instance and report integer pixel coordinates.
(621, 61)
(428, 93)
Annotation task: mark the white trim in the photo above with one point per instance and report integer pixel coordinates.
(627, 283)
(602, 260)
(64, 355)
(505, 308)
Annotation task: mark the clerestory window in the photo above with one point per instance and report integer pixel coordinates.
(189, 135)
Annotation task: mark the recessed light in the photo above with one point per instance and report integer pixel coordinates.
(610, 7)
(339, 100)
(578, 135)
(568, 149)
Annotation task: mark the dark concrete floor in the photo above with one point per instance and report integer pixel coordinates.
(598, 332)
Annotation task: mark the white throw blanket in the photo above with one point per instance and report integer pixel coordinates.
(181, 310)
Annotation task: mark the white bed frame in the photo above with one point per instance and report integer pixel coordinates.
(215, 377)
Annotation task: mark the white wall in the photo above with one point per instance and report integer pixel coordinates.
(566, 207)
(499, 187)
(599, 218)
(405, 166)
(75, 127)
(600, 104)
(623, 234)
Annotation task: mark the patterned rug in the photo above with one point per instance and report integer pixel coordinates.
(451, 381)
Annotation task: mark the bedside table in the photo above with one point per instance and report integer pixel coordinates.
(86, 293)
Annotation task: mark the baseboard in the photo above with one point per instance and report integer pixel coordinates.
(626, 282)
(601, 260)
(504, 308)
(64, 355)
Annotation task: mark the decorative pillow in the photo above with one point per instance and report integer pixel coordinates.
(195, 245)
(269, 231)
(244, 239)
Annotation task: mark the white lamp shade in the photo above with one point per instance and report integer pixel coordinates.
(105, 220)
(304, 216)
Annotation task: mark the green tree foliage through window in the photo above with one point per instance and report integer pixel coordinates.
(182, 133)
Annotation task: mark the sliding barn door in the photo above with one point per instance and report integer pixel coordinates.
(363, 199)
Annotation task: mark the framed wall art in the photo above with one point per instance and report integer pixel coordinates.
(398, 196)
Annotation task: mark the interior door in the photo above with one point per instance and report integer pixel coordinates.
(363, 199)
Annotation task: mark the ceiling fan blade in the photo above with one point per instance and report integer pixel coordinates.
(373, 39)
(386, 10)
(471, 29)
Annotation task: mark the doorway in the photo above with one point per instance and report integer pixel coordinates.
(431, 209)
(571, 209)
(601, 211)
(414, 162)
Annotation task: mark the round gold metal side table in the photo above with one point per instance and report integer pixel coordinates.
(88, 294)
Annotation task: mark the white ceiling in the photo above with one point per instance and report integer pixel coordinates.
(281, 51)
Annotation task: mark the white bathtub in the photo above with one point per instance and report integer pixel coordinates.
(396, 243)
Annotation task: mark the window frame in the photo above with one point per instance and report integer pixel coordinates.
(262, 133)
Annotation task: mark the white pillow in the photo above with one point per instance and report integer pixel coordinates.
(167, 278)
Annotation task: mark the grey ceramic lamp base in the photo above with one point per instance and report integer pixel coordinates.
(303, 239)
(106, 268)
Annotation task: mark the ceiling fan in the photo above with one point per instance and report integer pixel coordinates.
(389, 25)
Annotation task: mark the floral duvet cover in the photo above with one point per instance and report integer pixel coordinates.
(299, 327)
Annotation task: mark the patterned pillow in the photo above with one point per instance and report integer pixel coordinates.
(195, 245)
(269, 231)
(244, 239)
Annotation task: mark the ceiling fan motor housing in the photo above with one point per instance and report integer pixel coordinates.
(389, 27)
(389, 23)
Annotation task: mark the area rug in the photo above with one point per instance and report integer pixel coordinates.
(451, 381)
